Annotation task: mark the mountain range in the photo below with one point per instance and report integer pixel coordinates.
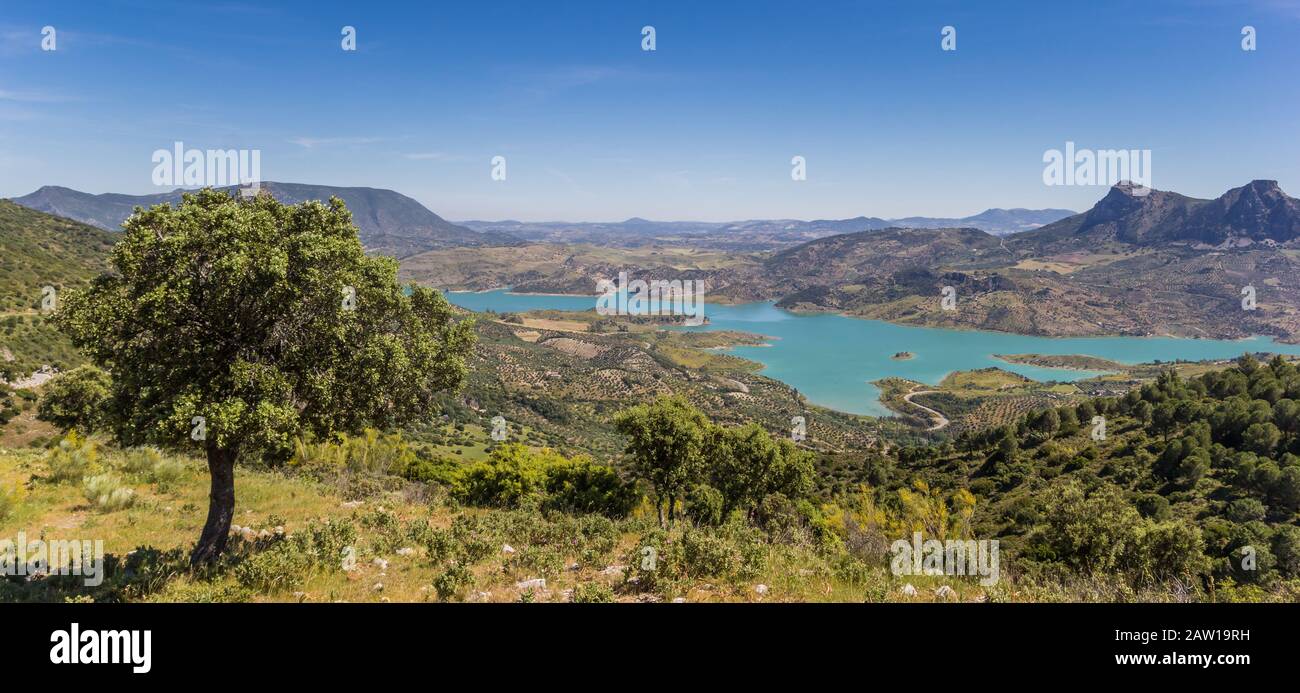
(396, 225)
(390, 223)
(1258, 212)
(755, 234)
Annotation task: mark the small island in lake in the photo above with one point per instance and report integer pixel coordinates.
(903, 356)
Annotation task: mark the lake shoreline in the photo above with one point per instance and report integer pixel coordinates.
(840, 313)
(827, 357)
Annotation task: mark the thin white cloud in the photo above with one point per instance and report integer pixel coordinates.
(314, 142)
(549, 82)
(32, 96)
(433, 156)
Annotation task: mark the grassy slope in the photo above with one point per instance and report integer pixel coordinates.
(171, 519)
(38, 250)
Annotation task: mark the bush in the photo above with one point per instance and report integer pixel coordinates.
(515, 477)
(289, 561)
(372, 452)
(73, 459)
(1089, 531)
(583, 486)
(107, 494)
(592, 593)
(537, 561)
(278, 568)
(167, 472)
(437, 470)
(76, 399)
(1153, 506)
(141, 461)
(512, 476)
(1286, 549)
(1246, 510)
(453, 581)
(1170, 550)
(387, 532)
(665, 559)
(704, 505)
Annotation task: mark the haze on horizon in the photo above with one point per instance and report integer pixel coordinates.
(593, 128)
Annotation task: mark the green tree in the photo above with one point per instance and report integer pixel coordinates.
(1142, 411)
(1286, 548)
(77, 399)
(666, 441)
(243, 323)
(747, 464)
(1093, 532)
(1261, 438)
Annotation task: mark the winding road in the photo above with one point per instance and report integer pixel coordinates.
(940, 420)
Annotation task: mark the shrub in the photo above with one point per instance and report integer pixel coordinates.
(1286, 549)
(167, 472)
(72, 459)
(371, 452)
(1170, 550)
(472, 540)
(1153, 506)
(289, 561)
(509, 478)
(278, 568)
(583, 486)
(515, 477)
(593, 593)
(453, 581)
(141, 461)
(665, 559)
(436, 470)
(325, 542)
(704, 505)
(107, 494)
(1090, 532)
(538, 561)
(1246, 510)
(76, 399)
(388, 534)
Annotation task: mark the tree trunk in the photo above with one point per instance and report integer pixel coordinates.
(221, 506)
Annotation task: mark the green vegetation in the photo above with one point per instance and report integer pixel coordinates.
(38, 251)
(1196, 482)
(1193, 494)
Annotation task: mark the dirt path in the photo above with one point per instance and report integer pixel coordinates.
(940, 421)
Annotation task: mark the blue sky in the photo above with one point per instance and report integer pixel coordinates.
(593, 128)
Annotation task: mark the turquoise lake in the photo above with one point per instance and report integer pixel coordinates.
(832, 359)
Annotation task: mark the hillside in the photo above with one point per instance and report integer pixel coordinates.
(1132, 265)
(1191, 492)
(39, 250)
(390, 223)
(570, 269)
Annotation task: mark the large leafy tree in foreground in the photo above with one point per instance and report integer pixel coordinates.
(242, 323)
